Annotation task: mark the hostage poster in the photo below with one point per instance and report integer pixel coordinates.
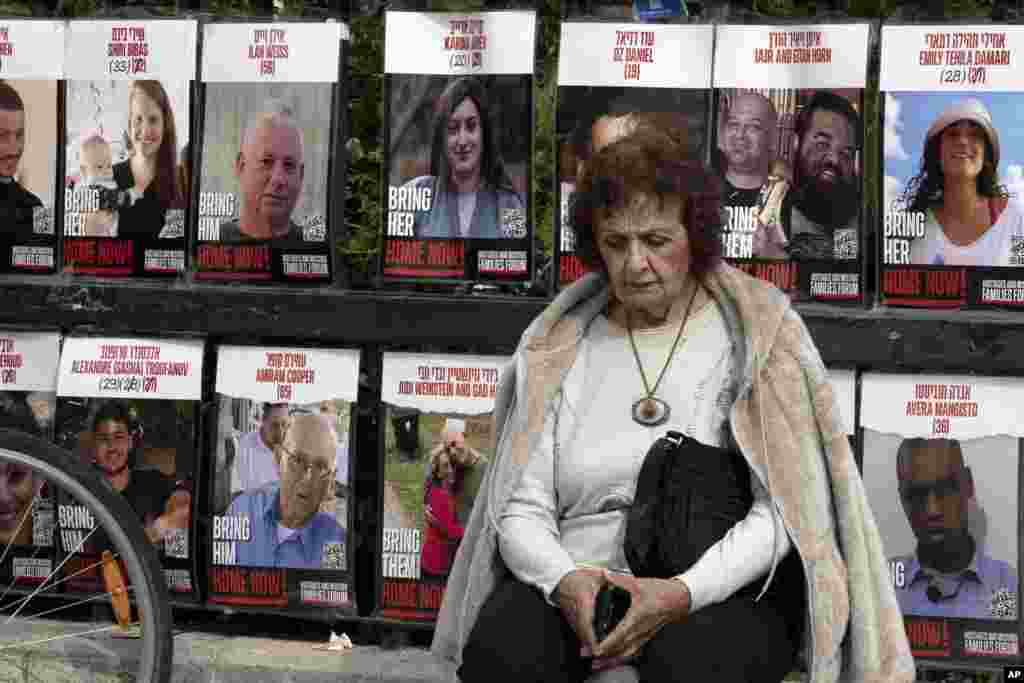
(28, 391)
(941, 459)
(952, 233)
(128, 109)
(613, 78)
(270, 103)
(438, 442)
(128, 407)
(789, 133)
(281, 494)
(31, 63)
(459, 109)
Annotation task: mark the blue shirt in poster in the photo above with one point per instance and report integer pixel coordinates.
(987, 589)
(303, 549)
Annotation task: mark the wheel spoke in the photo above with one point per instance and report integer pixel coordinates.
(49, 587)
(64, 637)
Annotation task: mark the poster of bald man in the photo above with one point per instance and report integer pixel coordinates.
(128, 110)
(788, 147)
(33, 61)
(612, 80)
(27, 404)
(128, 408)
(941, 462)
(459, 125)
(270, 113)
(951, 234)
(282, 475)
(438, 444)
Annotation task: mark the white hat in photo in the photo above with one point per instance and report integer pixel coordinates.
(455, 426)
(967, 110)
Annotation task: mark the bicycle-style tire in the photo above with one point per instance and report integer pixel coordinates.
(117, 518)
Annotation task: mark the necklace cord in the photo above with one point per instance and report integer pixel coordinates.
(671, 353)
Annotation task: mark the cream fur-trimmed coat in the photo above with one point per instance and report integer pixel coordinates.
(787, 424)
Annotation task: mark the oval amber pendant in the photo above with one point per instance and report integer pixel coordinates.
(650, 412)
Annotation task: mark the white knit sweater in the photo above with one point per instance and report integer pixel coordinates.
(571, 510)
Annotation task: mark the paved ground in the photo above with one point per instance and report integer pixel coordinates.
(217, 655)
(203, 657)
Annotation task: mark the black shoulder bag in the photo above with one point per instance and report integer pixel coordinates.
(688, 495)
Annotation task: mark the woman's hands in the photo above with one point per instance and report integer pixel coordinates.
(655, 602)
(576, 594)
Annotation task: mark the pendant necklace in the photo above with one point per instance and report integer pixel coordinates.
(651, 411)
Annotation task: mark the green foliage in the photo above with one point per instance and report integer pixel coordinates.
(364, 213)
(230, 8)
(545, 91)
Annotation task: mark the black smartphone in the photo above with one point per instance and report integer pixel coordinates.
(610, 607)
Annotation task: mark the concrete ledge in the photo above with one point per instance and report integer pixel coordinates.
(209, 658)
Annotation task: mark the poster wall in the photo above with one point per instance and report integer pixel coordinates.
(788, 147)
(941, 457)
(459, 119)
(281, 493)
(126, 159)
(128, 407)
(437, 445)
(614, 77)
(28, 391)
(31, 63)
(269, 105)
(953, 228)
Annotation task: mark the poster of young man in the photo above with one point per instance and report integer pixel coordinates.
(31, 63)
(28, 391)
(952, 233)
(613, 78)
(269, 106)
(459, 130)
(126, 160)
(429, 488)
(941, 456)
(128, 407)
(788, 147)
(281, 493)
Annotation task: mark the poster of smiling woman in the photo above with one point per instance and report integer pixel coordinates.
(128, 113)
(952, 233)
(458, 120)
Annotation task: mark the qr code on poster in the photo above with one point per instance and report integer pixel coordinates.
(314, 229)
(174, 225)
(333, 556)
(42, 528)
(513, 223)
(1003, 604)
(1017, 250)
(176, 543)
(42, 220)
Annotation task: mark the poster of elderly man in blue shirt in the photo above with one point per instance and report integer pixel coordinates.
(940, 462)
(286, 528)
(281, 477)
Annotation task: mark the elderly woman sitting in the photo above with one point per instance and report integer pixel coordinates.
(664, 336)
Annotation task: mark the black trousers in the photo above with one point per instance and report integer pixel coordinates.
(519, 637)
